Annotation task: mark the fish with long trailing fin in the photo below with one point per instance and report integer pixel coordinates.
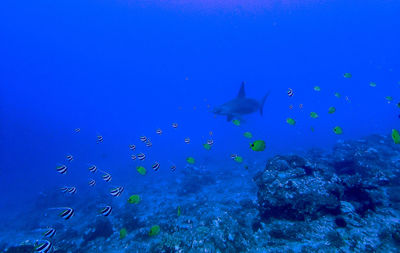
(241, 105)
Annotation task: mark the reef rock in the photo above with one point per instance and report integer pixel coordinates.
(290, 188)
(362, 173)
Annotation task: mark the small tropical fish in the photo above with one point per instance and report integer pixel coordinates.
(69, 158)
(233, 156)
(236, 122)
(258, 145)
(148, 143)
(62, 169)
(210, 142)
(190, 160)
(99, 139)
(238, 159)
(347, 75)
(159, 131)
(396, 136)
(141, 170)
(337, 130)
(173, 167)
(248, 135)
(154, 230)
(67, 213)
(372, 84)
(206, 146)
(107, 177)
(291, 121)
(117, 191)
(187, 140)
(313, 115)
(331, 110)
(156, 166)
(141, 156)
(132, 147)
(317, 88)
(43, 247)
(93, 168)
(389, 98)
(77, 130)
(70, 190)
(122, 233)
(50, 232)
(92, 182)
(133, 157)
(143, 138)
(106, 211)
(174, 125)
(290, 92)
(134, 199)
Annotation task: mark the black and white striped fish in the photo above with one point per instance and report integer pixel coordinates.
(133, 157)
(143, 138)
(93, 168)
(174, 125)
(70, 190)
(132, 147)
(99, 139)
(187, 140)
(159, 131)
(141, 156)
(156, 166)
(148, 143)
(107, 177)
(233, 156)
(43, 246)
(173, 167)
(290, 92)
(69, 158)
(117, 191)
(62, 169)
(210, 142)
(50, 232)
(67, 213)
(106, 210)
(92, 182)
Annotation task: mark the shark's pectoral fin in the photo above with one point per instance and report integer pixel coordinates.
(229, 118)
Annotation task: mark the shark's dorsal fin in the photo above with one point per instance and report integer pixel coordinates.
(242, 93)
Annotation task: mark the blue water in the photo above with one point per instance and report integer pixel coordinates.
(121, 69)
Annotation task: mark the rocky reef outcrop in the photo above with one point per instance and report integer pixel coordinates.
(358, 172)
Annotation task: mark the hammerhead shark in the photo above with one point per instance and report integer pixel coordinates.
(240, 105)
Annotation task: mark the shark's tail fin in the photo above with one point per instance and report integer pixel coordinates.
(263, 102)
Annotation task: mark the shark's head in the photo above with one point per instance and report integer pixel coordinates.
(220, 110)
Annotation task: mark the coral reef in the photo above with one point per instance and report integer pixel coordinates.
(341, 201)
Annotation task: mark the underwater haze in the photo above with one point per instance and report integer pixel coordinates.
(200, 126)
